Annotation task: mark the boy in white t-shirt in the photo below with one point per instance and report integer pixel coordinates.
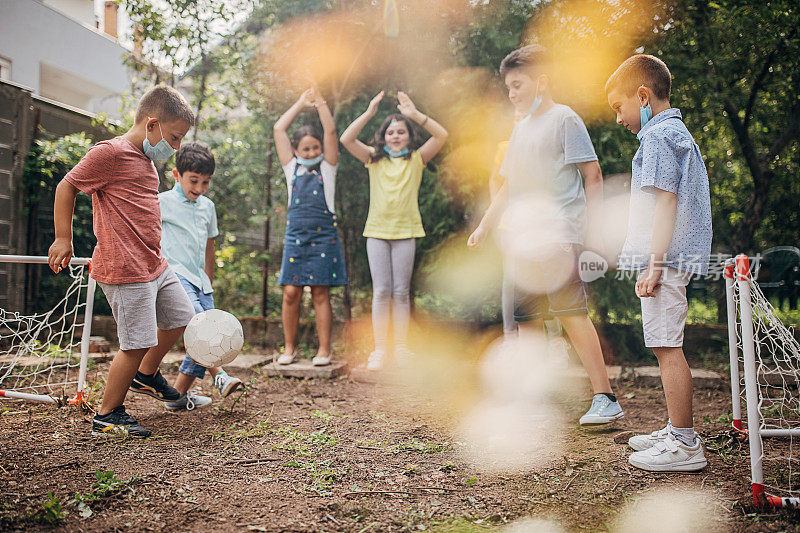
(548, 155)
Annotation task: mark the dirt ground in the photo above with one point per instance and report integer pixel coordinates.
(340, 455)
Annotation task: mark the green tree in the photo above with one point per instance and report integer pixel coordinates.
(736, 66)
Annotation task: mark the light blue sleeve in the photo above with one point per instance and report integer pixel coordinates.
(578, 146)
(213, 231)
(661, 168)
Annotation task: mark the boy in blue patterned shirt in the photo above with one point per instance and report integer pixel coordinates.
(188, 229)
(668, 241)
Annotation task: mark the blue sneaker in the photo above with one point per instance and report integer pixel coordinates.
(602, 411)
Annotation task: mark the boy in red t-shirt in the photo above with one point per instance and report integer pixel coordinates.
(149, 304)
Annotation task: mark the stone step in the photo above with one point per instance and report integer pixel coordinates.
(304, 369)
(641, 375)
(244, 361)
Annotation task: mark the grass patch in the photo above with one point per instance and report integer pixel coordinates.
(303, 444)
(414, 445)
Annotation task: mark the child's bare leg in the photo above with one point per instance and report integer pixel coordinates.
(321, 296)
(184, 382)
(290, 313)
(166, 340)
(584, 339)
(120, 376)
(677, 381)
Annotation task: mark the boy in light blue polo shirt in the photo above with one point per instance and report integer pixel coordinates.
(188, 228)
(669, 240)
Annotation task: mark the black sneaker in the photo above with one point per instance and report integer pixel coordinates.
(117, 423)
(155, 386)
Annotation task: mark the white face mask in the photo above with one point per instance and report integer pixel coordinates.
(537, 101)
(161, 151)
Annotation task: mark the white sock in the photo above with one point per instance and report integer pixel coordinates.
(685, 435)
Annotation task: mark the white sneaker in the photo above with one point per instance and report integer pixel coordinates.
(642, 442)
(287, 358)
(321, 361)
(375, 361)
(226, 384)
(403, 357)
(189, 402)
(670, 455)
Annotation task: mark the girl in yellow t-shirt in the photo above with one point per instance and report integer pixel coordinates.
(395, 162)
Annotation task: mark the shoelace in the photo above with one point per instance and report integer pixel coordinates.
(159, 380)
(190, 402)
(602, 402)
(126, 418)
(218, 381)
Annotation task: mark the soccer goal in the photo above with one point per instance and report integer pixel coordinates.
(769, 355)
(41, 359)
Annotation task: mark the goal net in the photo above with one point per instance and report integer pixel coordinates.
(41, 357)
(765, 377)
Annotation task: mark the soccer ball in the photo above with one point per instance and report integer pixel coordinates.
(213, 338)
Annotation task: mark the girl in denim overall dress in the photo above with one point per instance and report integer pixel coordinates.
(312, 252)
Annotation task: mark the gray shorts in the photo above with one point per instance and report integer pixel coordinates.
(140, 308)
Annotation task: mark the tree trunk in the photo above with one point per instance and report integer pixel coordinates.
(268, 213)
(201, 98)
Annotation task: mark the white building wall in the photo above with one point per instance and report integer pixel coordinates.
(61, 58)
(80, 10)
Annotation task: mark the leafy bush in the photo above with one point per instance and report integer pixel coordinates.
(48, 162)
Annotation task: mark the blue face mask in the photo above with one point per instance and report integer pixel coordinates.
(392, 153)
(308, 163)
(645, 114)
(161, 151)
(537, 101)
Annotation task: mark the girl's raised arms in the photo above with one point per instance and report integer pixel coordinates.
(349, 138)
(438, 133)
(330, 141)
(283, 145)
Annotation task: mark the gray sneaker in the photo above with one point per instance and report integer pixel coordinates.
(226, 384)
(602, 411)
(189, 402)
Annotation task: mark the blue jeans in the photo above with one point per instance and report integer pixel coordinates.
(201, 302)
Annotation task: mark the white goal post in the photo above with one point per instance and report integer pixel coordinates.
(37, 360)
(768, 355)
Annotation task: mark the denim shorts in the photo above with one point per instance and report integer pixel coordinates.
(201, 302)
(569, 297)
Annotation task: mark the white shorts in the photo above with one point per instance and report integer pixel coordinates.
(664, 315)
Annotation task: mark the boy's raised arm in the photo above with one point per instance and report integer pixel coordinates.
(60, 251)
(349, 138)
